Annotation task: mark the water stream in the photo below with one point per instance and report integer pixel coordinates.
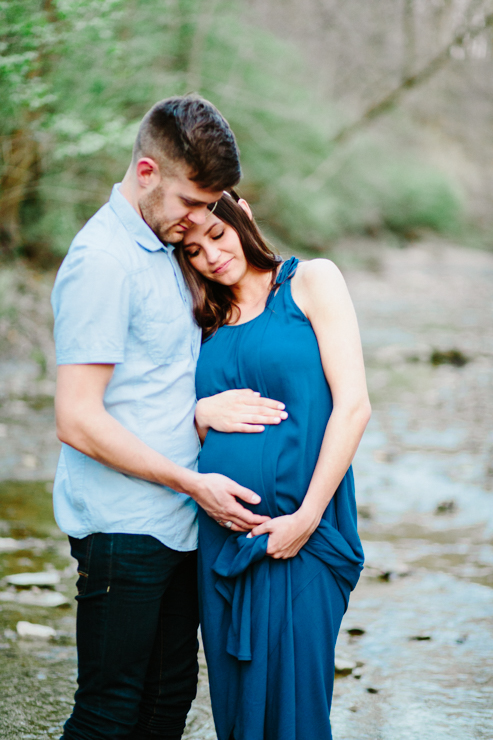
(416, 648)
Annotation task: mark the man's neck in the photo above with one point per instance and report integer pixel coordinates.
(128, 189)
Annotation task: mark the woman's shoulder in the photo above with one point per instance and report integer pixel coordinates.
(318, 285)
(319, 271)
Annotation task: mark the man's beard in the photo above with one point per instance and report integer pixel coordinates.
(151, 207)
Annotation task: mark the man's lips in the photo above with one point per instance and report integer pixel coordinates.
(222, 267)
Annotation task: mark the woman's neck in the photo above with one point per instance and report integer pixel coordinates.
(251, 292)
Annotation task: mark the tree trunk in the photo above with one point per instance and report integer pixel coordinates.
(19, 153)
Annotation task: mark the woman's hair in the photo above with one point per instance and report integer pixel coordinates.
(213, 303)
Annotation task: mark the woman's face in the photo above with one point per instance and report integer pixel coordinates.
(214, 249)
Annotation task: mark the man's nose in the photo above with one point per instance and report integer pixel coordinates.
(198, 216)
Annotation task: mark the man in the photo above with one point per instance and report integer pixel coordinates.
(126, 487)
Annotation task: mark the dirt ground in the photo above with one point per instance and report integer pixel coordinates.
(415, 649)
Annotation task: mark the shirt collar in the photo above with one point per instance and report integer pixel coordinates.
(135, 224)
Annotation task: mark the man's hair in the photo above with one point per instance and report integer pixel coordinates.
(189, 130)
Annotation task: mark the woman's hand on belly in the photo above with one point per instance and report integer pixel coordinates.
(287, 534)
(240, 410)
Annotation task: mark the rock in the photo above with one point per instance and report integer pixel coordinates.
(364, 511)
(386, 455)
(449, 357)
(30, 461)
(33, 598)
(41, 631)
(372, 690)
(420, 638)
(446, 507)
(8, 544)
(356, 631)
(45, 578)
(399, 570)
(344, 667)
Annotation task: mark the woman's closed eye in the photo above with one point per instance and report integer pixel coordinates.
(218, 236)
(192, 252)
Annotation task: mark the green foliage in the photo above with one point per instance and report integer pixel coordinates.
(79, 74)
(418, 196)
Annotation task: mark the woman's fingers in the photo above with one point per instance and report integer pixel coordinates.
(256, 421)
(253, 403)
(264, 528)
(231, 411)
(247, 428)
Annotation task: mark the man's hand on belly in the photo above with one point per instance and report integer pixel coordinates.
(84, 423)
(217, 495)
(241, 410)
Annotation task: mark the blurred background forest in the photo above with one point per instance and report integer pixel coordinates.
(352, 117)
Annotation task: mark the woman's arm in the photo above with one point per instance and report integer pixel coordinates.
(320, 291)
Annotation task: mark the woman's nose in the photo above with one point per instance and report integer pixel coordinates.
(212, 253)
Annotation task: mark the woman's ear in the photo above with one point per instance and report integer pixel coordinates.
(243, 204)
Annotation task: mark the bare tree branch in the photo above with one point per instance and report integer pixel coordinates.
(389, 101)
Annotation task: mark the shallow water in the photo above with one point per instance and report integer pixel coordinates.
(422, 665)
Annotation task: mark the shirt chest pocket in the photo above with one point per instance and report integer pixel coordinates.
(168, 321)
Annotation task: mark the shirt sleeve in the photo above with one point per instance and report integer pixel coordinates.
(91, 304)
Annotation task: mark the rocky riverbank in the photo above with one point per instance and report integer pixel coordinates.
(414, 654)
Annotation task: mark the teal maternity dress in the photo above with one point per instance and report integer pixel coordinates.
(269, 626)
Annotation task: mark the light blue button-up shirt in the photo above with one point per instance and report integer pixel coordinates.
(119, 298)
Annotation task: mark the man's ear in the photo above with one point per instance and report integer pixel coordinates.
(243, 204)
(147, 171)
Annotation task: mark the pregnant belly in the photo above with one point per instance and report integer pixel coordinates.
(241, 458)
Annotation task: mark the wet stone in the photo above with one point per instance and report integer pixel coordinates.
(46, 578)
(449, 357)
(35, 631)
(446, 507)
(344, 667)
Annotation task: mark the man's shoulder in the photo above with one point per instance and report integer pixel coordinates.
(104, 233)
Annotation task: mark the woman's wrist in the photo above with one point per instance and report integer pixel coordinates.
(309, 517)
(201, 420)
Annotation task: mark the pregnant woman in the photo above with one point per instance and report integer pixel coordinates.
(272, 600)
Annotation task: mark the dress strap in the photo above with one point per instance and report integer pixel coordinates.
(288, 268)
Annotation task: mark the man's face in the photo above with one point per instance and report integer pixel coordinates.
(174, 205)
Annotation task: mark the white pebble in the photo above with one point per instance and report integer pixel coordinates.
(45, 578)
(28, 629)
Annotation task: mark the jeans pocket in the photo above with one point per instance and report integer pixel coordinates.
(81, 583)
(81, 551)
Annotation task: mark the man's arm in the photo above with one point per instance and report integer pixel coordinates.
(83, 423)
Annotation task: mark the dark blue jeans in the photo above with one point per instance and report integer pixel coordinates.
(137, 620)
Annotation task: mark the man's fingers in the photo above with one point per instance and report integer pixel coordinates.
(239, 525)
(246, 495)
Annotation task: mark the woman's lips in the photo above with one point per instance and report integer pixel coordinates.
(222, 267)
